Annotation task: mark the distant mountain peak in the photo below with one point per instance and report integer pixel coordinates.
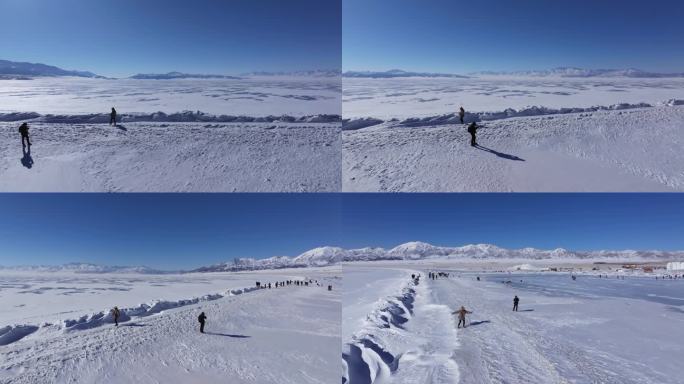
(178, 75)
(396, 73)
(18, 68)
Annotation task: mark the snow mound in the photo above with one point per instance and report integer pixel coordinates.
(12, 333)
(178, 117)
(354, 124)
(146, 309)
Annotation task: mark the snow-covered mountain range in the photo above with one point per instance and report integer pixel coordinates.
(415, 250)
(20, 69)
(178, 75)
(418, 250)
(581, 72)
(396, 73)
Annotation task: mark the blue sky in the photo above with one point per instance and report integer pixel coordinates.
(124, 37)
(461, 36)
(182, 231)
(166, 231)
(579, 221)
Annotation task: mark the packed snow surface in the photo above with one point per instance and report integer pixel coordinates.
(59, 328)
(172, 157)
(638, 149)
(588, 330)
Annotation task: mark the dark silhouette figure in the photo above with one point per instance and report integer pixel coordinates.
(478, 278)
(112, 117)
(500, 154)
(472, 129)
(461, 114)
(461, 316)
(24, 131)
(116, 313)
(202, 318)
(516, 300)
(27, 160)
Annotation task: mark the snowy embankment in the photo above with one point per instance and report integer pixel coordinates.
(172, 157)
(406, 338)
(278, 335)
(605, 150)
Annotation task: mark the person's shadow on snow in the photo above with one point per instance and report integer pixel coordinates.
(27, 160)
(121, 127)
(227, 335)
(500, 154)
(474, 323)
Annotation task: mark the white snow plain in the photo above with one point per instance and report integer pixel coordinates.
(59, 328)
(589, 330)
(270, 134)
(538, 135)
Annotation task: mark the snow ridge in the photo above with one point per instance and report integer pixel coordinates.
(178, 117)
(13, 333)
(364, 359)
(453, 118)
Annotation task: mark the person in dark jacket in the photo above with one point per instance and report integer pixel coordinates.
(472, 129)
(24, 131)
(461, 114)
(202, 319)
(112, 117)
(116, 313)
(515, 303)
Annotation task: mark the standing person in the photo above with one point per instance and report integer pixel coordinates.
(461, 316)
(24, 131)
(112, 117)
(472, 129)
(202, 318)
(116, 313)
(515, 303)
(461, 114)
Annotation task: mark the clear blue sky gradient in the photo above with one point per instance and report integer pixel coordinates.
(124, 37)
(461, 36)
(579, 221)
(165, 231)
(179, 231)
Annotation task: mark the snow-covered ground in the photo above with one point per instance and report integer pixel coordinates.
(177, 157)
(540, 134)
(588, 330)
(251, 96)
(403, 98)
(58, 328)
(256, 134)
(617, 150)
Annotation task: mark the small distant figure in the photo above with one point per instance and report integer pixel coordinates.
(574, 277)
(116, 313)
(24, 131)
(461, 113)
(461, 316)
(112, 117)
(472, 129)
(329, 287)
(202, 318)
(478, 278)
(516, 300)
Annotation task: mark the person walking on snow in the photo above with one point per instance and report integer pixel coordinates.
(116, 313)
(515, 303)
(112, 117)
(202, 318)
(461, 316)
(472, 129)
(461, 114)
(24, 131)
